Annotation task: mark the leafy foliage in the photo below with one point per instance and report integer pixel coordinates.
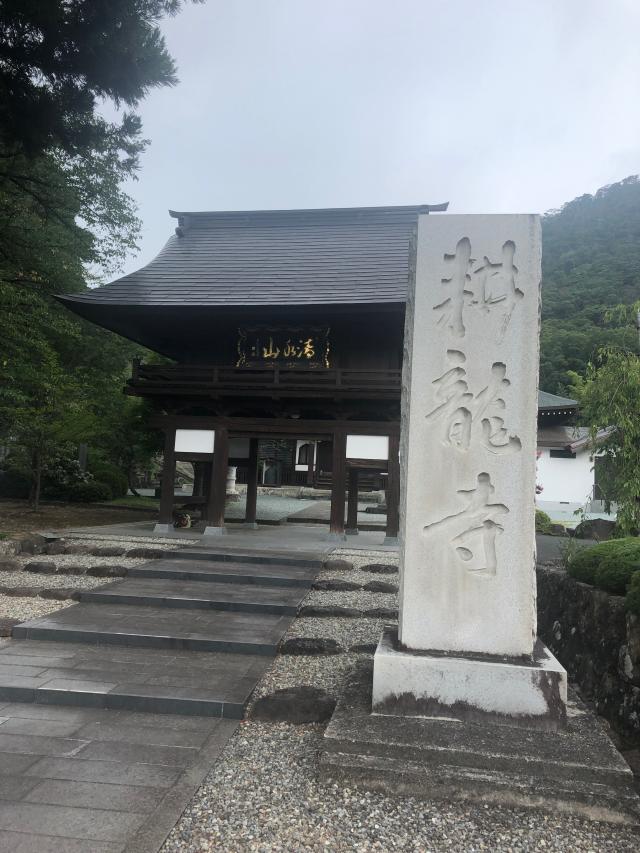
(543, 522)
(596, 565)
(609, 396)
(63, 212)
(591, 262)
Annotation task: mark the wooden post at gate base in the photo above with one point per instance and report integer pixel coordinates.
(393, 492)
(311, 464)
(252, 485)
(218, 490)
(352, 503)
(167, 484)
(338, 484)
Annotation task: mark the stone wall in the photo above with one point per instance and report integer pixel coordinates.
(597, 642)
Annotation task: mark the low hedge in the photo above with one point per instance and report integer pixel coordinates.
(543, 522)
(613, 566)
(90, 492)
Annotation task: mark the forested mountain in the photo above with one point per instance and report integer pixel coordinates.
(591, 261)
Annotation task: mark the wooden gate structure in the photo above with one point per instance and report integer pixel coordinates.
(273, 324)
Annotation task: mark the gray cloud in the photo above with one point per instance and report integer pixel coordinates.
(510, 106)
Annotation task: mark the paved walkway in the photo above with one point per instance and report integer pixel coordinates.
(93, 755)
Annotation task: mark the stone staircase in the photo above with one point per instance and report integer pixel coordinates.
(190, 633)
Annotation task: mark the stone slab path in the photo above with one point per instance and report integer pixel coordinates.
(113, 710)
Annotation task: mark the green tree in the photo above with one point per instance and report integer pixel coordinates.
(609, 396)
(63, 211)
(590, 262)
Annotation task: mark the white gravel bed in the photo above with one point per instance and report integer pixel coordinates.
(28, 608)
(263, 795)
(346, 632)
(328, 672)
(13, 579)
(360, 598)
(80, 560)
(357, 576)
(361, 558)
(105, 538)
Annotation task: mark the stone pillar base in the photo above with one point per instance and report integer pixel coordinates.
(250, 525)
(161, 529)
(214, 531)
(351, 531)
(470, 688)
(391, 540)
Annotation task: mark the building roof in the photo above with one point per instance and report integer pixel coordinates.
(570, 437)
(282, 257)
(552, 403)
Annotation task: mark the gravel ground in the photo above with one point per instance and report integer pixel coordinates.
(361, 557)
(359, 598)
(108, 538)
(13, 579)
(325, 671)
(263, 796)
(80, 560)
(346, 631)
(357, 576)
(28, 608)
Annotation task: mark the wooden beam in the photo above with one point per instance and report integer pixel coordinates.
(214, 516)
(252, 484)
(393, 490)
(338, 483)
(352, 503)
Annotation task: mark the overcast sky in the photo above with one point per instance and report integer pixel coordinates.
(511, 106)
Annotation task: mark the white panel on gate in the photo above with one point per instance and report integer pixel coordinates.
(367, 447)
(194, 440)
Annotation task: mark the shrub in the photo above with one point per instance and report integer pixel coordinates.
(104, 472)
(632, 599)
(543, 522)
(616, 570)
(15, 483)
(585, 563)
(90, 492)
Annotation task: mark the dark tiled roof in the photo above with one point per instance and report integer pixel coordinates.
(297, 257)
(553, 401)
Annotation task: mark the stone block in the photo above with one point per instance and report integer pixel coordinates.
(477, 689)
(9, 565)
(298, 705)
(468, 436)
(577, 771)
(41, 567)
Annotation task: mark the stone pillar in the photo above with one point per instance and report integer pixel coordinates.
(167, 484)
(217, 492)
(252, 486)
(466, 645)
(352, 503)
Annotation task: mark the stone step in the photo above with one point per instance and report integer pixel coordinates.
(199, 595)
(159, 628)
(306, 560)
(151, 680)
(225, 572)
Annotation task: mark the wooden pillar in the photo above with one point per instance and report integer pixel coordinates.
(311, 465)
(352, 503)
(393, 491)
(252, 485)
(165, 517)
(218, 489)
(338, 484)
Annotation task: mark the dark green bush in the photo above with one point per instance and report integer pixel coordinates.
(543, 522)
(632, 599)
(91, 492)
(15, 483)
(104, 472)
(584, 563)
(615, 571)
